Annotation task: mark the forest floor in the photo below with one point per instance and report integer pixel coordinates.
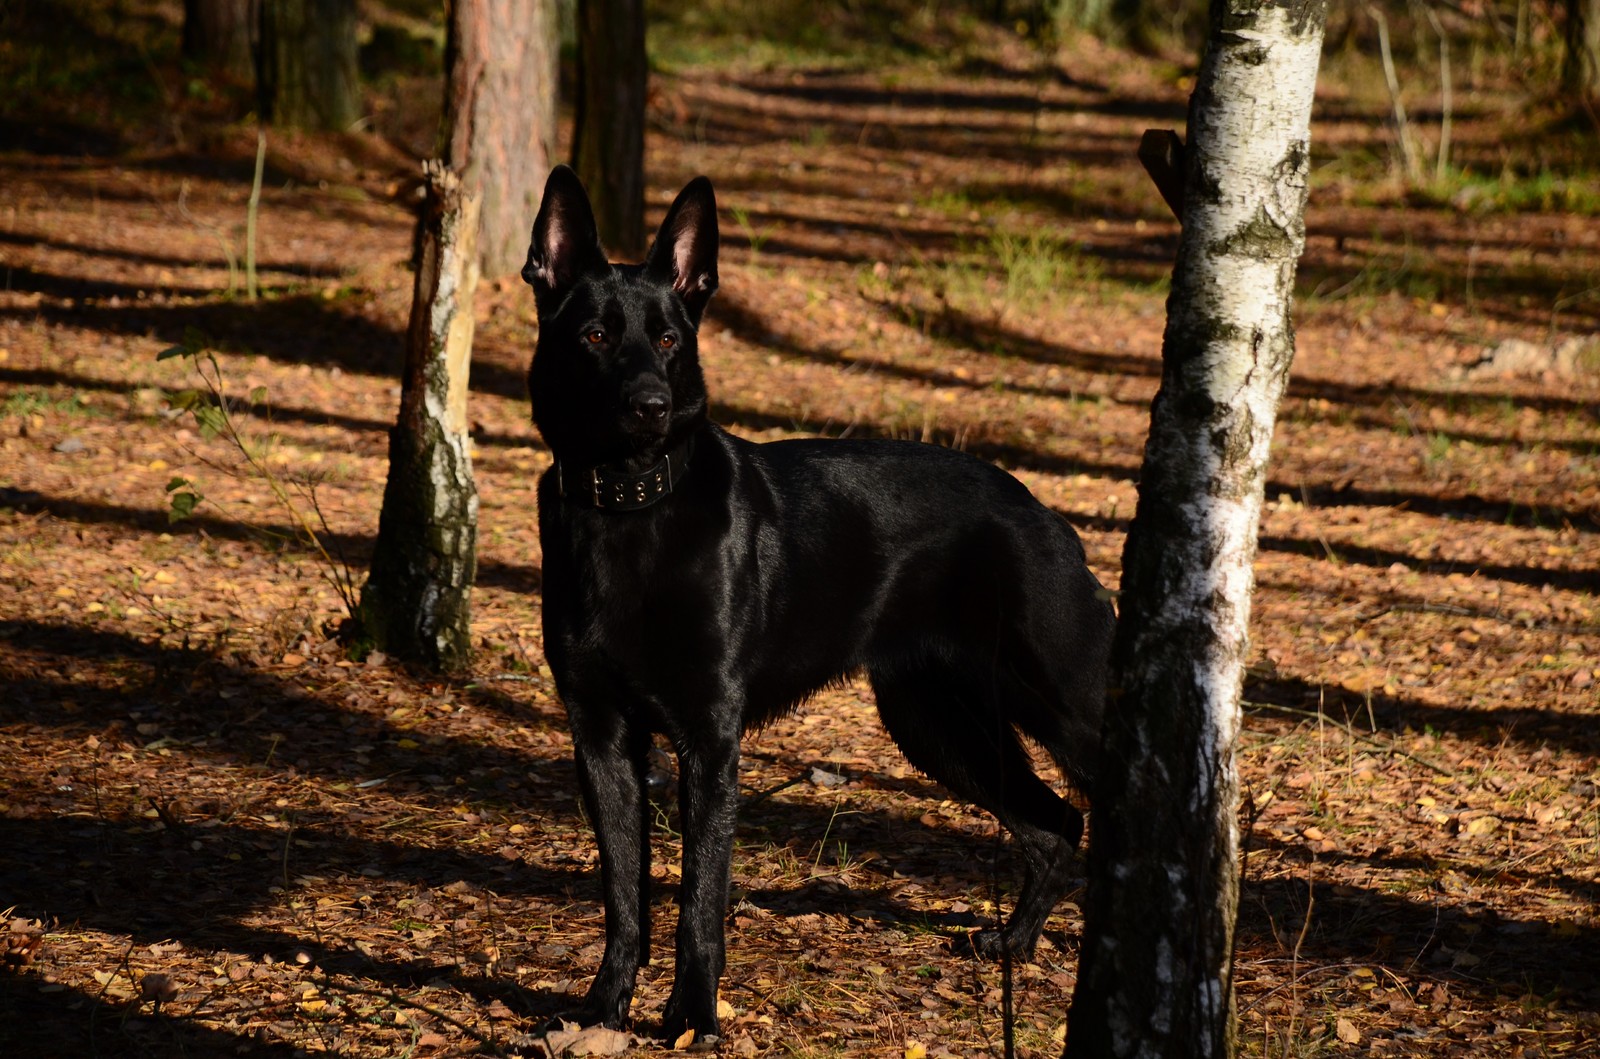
(220, 836)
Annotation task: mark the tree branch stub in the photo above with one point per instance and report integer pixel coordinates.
(1161, 154)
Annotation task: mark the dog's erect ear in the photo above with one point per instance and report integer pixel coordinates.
(685, 251)
(566, 243)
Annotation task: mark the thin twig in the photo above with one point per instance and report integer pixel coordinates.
(394, 998)
(216, 232)
(288, 840)
(1008, 1032)
(331, 568)
(1305, 928)
(250, 287)
(758, 798)
(1305, 501)
(1441, 164)
(1383, 744)
(1408, 152)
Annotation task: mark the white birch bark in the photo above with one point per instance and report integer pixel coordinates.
(416, 602)
(1156, 974)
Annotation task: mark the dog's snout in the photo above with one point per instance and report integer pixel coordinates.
(651, 406)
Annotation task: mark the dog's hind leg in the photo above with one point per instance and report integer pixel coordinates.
(948, 726)
(612, 760)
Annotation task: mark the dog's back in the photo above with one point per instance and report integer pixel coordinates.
(907, 554)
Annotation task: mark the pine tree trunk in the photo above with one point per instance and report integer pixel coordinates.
(1580, 72)
(1155, 977)
(306, 65)
(608, 138)
(500, 116)
(415, 604)
(221, 34)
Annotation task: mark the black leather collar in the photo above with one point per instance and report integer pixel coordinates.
(611, 490)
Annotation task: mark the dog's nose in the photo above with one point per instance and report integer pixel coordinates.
(651, 406)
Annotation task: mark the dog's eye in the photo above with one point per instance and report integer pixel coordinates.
(667, 341)
(595, 337)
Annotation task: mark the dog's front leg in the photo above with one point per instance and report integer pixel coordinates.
(611, 774)
(708, 792)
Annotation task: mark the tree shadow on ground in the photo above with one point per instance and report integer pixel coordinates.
(1367, 712)
(1511, 875)
(25, 279)
(1007, 455)
(919, 119)
(1469, 946)
(1383, 559)
(293, 329)
(978, 333)
(30, 280)
(1437, 268)
(263, 415)
(973, 334)
(203, 881)
(235, 716)
(750, 326)
(1379, 418)
(352, 550)
(1351, 925)
(52, 1021)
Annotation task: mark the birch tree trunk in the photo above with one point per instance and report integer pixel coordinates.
(1155, 977)
(415, 604)
(500, 116)
(608, 134)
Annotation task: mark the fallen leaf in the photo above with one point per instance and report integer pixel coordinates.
(115, 984)
(157, 987)
(1347, 1031)
(590, 1040)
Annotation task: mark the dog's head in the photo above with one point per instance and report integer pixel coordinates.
(616, 374)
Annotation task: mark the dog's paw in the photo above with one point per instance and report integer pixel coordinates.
(992, 944)
(595, 1012)
(681, 1016)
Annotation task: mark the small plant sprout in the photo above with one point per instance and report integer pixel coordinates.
(215, 415)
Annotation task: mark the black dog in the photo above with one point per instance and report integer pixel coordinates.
(698, 585)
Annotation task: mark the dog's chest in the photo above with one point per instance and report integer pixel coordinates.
(645, 603)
